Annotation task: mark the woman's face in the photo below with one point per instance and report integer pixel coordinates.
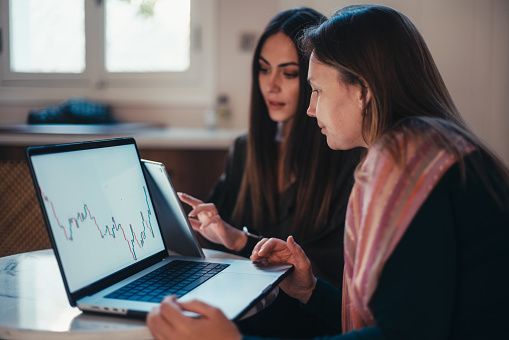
(279, 77)
(337, 106)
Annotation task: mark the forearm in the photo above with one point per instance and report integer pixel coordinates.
(325, 302)
(370, 333)
(252, 240)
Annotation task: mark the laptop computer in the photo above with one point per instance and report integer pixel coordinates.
(108, 237)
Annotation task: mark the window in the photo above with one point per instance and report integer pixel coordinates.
(148, 27)
(142, 50)
(47, 39)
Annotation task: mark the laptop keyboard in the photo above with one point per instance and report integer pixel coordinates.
(176, 278)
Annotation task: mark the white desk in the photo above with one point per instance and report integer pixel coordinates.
(34, 305)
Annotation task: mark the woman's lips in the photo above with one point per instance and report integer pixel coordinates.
(276, 105)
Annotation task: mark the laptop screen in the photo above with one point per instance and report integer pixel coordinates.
(99, 210)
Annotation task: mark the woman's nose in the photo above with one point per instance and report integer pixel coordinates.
(311, 112)
(274, 83)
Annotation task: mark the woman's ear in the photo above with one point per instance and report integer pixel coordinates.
(364, 97)
(367, 95)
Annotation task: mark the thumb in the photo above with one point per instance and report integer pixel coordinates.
(195, 223)
(300, 257)
(198, 307)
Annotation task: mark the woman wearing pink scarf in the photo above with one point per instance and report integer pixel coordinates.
(427, 225)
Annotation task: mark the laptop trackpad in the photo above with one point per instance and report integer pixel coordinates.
(231, 292)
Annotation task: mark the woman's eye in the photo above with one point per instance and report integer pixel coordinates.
(264, 70)
(291, 75)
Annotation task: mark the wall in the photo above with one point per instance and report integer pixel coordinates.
(468, 39)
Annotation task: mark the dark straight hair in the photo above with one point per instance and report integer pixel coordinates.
(379, 48)
(307, 156)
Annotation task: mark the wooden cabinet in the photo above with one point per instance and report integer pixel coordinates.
(192, 171)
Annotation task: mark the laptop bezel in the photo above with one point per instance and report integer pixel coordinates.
(114, 277)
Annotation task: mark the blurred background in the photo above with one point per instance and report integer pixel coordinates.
(176, 75)
(167, 62)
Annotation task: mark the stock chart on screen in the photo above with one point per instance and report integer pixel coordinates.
(99, 210)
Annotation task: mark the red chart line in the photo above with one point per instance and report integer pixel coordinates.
(86, 214)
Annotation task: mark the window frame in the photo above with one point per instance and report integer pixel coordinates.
(194, 86)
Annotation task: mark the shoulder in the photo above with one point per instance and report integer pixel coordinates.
(241, 139)
(410, 160)
(239, 147)
(240, 142)
(408, 147)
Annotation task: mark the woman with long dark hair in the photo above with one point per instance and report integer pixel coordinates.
(281, 178)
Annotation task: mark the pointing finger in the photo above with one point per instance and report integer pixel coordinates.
(192, 201)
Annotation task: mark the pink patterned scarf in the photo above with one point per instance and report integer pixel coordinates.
(383, 202)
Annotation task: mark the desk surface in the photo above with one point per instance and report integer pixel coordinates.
(34, 305)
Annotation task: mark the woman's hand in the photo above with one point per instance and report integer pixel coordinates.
(301, 282)
(168, 322)
(211, 225)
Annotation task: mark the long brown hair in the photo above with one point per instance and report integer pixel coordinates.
(307, 156)
(379, 48)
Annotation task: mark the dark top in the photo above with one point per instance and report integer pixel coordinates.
(448, 276)
(324, 248)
